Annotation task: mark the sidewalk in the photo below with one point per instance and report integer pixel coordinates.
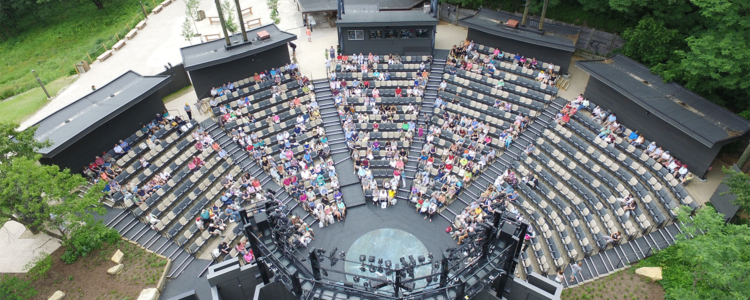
(20, 247)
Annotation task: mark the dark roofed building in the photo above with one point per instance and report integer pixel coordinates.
(212, 63)
(410, 32)
(307, 6)
(692, 128)
(94, 123)
(555, 44)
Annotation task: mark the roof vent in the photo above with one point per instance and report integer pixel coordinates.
(512, 23)
(67, 121)
(646, 82)
(263, 35)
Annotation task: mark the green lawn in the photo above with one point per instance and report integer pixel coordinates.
(71, 29)
(16, 109)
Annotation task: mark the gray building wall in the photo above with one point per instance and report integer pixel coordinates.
(412, 46)
(558, 57)
(697, 156)
(206, 78)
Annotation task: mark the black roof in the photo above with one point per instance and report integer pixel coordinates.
(493, 22)
(214, 52)
(697, 117)
(723, 203)
(74, 121)
(330, 5)
(381, 18)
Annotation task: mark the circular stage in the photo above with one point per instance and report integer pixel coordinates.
(388, 244)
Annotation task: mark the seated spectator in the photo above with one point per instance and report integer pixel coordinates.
(614, 238)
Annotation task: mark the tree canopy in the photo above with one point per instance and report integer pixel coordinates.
(18, 143)
(739, 185)
(709, 260)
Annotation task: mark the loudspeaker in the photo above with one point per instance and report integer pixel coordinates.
(261, 220)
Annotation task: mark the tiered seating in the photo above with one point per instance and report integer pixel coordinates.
(509, 57)
(653, 174)
(271, 148)
(135, 174)
(252, 87)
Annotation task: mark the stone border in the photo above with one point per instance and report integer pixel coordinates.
(163, 280)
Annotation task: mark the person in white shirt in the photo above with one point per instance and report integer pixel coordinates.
(443, 85)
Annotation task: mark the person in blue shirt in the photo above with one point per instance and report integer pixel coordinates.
(517, 57)
(387, 75)
(513, 196)
(632, 137)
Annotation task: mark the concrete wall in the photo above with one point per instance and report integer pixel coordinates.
(413, 46)
(558, 57)
(206, 78)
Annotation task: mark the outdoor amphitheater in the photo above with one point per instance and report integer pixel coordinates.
(406, 169)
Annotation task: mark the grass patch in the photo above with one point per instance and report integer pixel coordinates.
(179, 93)
(621, 285)
(71, 29)
(18, 108)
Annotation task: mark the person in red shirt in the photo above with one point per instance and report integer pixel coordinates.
(565, 119)
(398, 92)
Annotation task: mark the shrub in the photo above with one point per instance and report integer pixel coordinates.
(39, 266)
(13, 288)
(88, 238)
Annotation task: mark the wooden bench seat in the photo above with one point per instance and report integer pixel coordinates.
(166, 3)
(131, 34)
(105, 55)
(157, 9)
(119, 45)
(247, 11)
(254, 22)
(212, 37)
(141, 24)
(212, 20)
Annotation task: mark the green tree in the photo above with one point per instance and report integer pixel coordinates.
(187, 31)
(43, 197)
(229, 17)
(18, 143)
(191, 11)
(739, 185)
(713, 264)
(650, 41)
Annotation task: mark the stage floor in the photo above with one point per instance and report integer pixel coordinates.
(365, 219)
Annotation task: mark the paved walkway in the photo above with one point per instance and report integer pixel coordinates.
(20, 247)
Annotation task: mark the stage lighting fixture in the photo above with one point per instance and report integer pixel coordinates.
(372, 269)
(334, 261)
(333, 252)
(362, 258)
(321, 258)
(372, 258)
(411, 260)
(420, 258)
(380, 269)
(325, 273)
(362, 267)
(388, 264)
(343, 254)
(403, 261)
(356, 279)
(429, 280)
(380, 261)
(367, 285)
(430, 256)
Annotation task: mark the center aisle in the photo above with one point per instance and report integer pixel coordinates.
(350, 187)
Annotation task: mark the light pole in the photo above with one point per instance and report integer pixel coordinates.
(41, 84)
